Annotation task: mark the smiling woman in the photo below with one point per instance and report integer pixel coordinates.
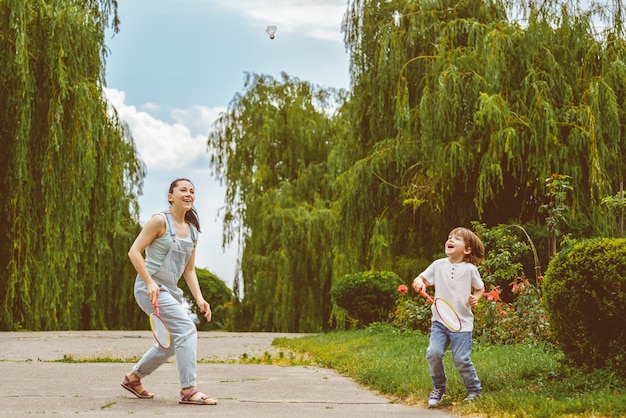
(169, 242)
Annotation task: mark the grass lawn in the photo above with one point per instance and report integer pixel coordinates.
(517, 380)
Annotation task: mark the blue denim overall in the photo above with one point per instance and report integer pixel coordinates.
(183, 332)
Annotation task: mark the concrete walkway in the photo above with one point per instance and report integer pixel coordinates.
(33, 383)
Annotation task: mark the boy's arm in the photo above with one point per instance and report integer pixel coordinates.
(475, 297)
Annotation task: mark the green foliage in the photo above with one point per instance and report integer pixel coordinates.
(412, 313)
(512, 312)
(458, 112)
(69, 173)
(615, 203)
(558, 186)
(408, 266)
(504, 253)
(219, 296)
(368, 296)
(522, 321)
(271, 150)
(585, 295)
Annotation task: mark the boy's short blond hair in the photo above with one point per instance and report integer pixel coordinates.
(477, 255)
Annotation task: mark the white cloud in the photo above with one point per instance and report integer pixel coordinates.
(149, 107)
(163, 145)
(170, 151)
(199, 119)
(320, 19)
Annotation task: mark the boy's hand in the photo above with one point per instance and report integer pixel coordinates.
(418, 284)
(473, 300)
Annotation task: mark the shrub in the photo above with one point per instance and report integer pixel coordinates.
(367, 296)
(411, 313)
(506, 248)
(523, 320)
(585, 294)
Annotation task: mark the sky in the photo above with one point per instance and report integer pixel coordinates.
(175, 65)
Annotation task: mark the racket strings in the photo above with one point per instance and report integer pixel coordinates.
(160, 331)
(448, 315)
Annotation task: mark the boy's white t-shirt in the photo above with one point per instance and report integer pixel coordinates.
(454, 282)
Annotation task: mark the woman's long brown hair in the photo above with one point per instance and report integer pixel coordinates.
(191, 216)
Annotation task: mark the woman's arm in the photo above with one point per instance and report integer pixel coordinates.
(191, 278)
(153, 229)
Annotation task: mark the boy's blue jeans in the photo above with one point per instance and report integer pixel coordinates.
(461, 346)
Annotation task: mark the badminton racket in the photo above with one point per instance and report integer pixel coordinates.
(445, 311)
(159, 329)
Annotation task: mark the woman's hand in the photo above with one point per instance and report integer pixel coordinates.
(205, 308)
(153, 292)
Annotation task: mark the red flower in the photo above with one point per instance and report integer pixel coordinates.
(493, 295)
(403, 289)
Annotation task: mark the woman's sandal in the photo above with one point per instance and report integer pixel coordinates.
(185, 398)
(129, 385)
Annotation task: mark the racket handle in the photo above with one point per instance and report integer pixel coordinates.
(426, 295)
(156, 306)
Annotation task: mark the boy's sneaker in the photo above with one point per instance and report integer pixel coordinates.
(472, 396)
(435, 397)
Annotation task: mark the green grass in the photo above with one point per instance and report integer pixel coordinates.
(280, 359)
(69, 358)
(518, 380)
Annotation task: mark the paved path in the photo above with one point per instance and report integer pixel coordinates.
(32, 383)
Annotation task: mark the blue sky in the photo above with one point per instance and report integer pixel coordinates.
(175, 66)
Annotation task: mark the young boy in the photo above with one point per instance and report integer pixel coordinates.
(453, 278)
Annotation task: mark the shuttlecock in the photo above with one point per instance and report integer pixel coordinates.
(271, 31)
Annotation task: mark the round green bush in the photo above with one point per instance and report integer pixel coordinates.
(584, 292)
(367, 296)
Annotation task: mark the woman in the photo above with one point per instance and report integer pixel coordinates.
(169, 241)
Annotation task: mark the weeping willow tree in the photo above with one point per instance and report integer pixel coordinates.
(271, 149)
(461, 109)
(69, 172)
